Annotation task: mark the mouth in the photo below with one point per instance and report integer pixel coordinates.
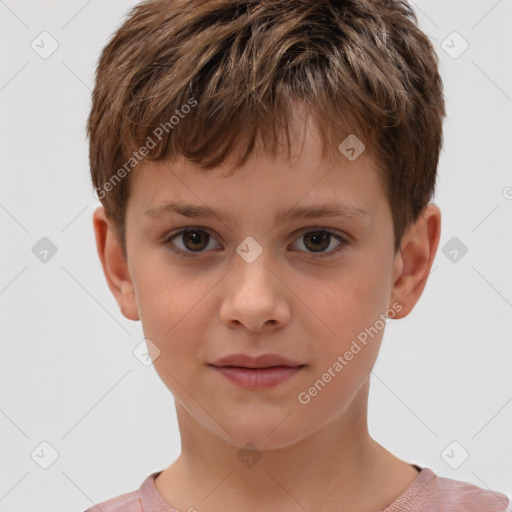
(258, 378)
(257, 372)
(261, 361)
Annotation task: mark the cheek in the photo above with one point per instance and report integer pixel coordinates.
(354, 296)
(349, 347)
(171, 311)
(351, 307)
(172, 321)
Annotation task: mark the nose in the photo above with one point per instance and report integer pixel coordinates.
(254, 296)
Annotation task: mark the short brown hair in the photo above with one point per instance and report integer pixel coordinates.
(360, 67)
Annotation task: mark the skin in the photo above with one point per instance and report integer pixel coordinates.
(315, 456)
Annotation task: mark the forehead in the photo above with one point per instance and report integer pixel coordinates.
(263, 191)
(310, 175)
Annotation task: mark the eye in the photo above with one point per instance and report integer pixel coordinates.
(194, 241)
(320, 239)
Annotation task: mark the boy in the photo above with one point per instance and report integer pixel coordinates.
(227, 139)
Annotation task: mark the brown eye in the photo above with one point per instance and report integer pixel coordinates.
(192, 241)
(317, 241)
(195, 240)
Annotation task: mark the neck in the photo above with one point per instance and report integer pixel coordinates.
(339, 467)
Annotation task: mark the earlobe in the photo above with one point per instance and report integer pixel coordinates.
(115, 267)
(414, 261)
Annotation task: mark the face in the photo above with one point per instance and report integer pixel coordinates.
(312, 289)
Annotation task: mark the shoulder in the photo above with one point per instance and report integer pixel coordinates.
(145, 499)
(433, 493)
(456, 495)
(128, 502)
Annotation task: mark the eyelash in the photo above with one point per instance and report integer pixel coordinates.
(188, 254)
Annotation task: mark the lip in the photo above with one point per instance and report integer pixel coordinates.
(258, 378)
(261, 372)
(261, 361)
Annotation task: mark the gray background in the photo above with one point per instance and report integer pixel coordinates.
(68, 374)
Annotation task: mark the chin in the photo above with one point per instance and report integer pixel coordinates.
(272, 434)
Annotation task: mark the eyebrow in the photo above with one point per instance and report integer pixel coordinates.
(295, 212)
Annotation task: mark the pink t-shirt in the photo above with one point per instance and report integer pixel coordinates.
(428, 493)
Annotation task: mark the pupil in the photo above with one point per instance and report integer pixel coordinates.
(319, 236)
(193, 237)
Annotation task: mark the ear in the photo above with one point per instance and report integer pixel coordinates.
(412, 263)
(114, 264)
